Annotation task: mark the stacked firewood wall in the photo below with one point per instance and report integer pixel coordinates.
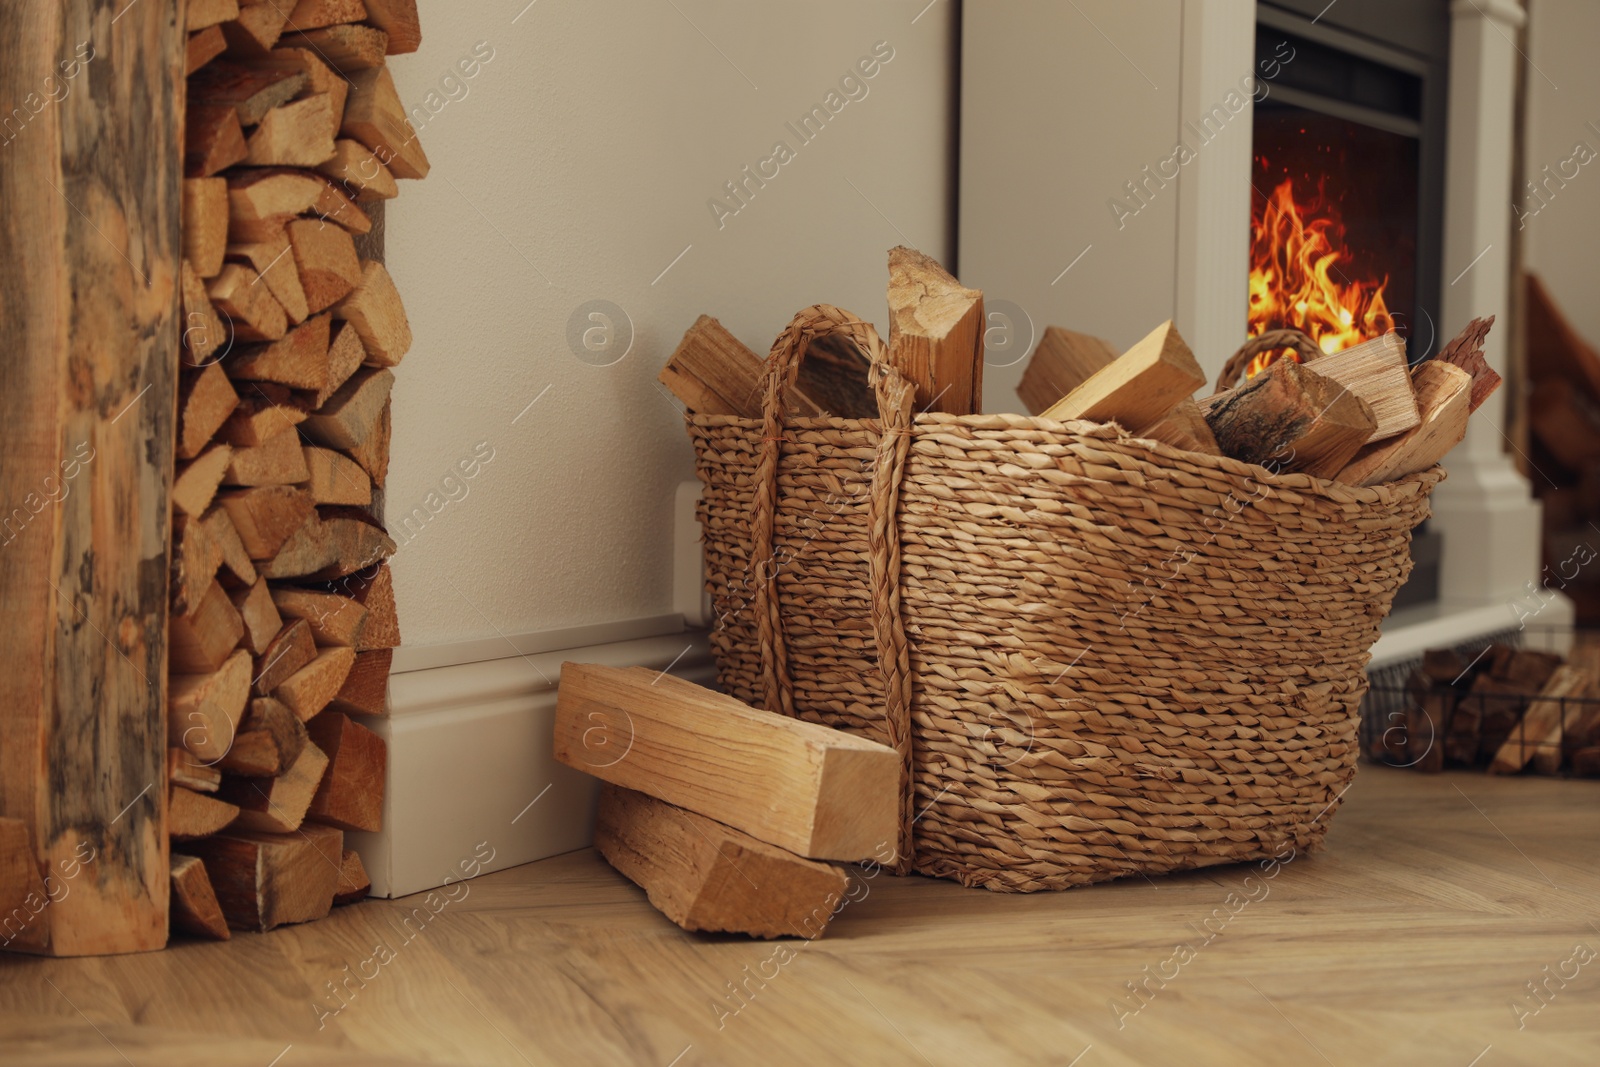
(283, 620)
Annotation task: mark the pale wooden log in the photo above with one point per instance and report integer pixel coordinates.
(234, 556)
(200, 14)
(347, 49)
(336, 478)
(1376, 371)
(1061, 361)
(330, 547)
(374, 590)
(334, 205)
(1465, 350)
(252, 90)
(351, 793)
(265, 880)
(350, 415)
(258, 26)
(204, 46)
(194, 904)
(285, 656)
(201, 641)
(252, 310)
(354, 884)
(366, 687)
(196, 483)
(398, 19)
(277, 804)
(205, 709)
(315, 14)
(185, 770)
(817, 792)
(706, 876)
(357, 171)
(334, 620)
(1140, 387)
(266, 410)
(1542, 718)
(374, 115)
(713, 373)
(259, 615)
(262, 201)
(1293, 419)
(205, 224)
(1444, 394)
(299, 359)
(935, 333)
(266, 516)
(373, 307)
(205, 400)
(320, 78)
(213, 140)
(372, 451)
(326, 259)
(297, 134)
(269, 740)
(203, 332)
(193, 815)
(277, 462)
(196, 555)
(310, 689)
(271, 259)
(345, 356)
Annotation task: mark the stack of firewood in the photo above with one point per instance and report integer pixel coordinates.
(1506, 709)
(283, 618)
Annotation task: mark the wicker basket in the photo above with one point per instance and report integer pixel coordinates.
(1097, 655)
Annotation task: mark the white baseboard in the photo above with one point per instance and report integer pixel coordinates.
(470, 767)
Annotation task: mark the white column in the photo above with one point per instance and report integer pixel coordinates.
(1490, 522)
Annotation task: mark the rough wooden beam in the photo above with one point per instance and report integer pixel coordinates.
(264, 880)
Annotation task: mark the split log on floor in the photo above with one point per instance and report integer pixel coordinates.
(1466, 351)
(204, 709)
(1555, 349)
(278, 804)
(1565, 422)
(203, 13)
(290, 650)
(299, 359)
(312, 688)
(184, 769)
(203, 332)
(259, 615)
(1139, 389)
(358, 173)
(351, 794)
(251, 90)
(194, 904)
(266, 410)
(346, 48)
(1444, 394)
(201, 641)
(366, 687)
(214, 140)
(277, 462)
(817, 792)
(1544, 716)
(265, 880)
(203, 47)
(315, 14)
(345, 356)
(298, 134)
(935, 333)
(706, 876)
(267, 516)
(334, 620)
(205, 400)
(336, 478)
(257, 28)
(253, 312)
(1292, 418)
(398, 19)
(196, 482)
(374, 309)
(354, 883)
(196, 555)
(205, 224)
(326, 259)
(336, 205)
(330, 546)
(194, 815)
(350, 415)
(270, 258)
(270, 739)
(1377, 372)
(374, 115)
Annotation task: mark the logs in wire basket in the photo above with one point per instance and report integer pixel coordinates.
(1097, 655)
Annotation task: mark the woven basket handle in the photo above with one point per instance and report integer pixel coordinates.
(1234, 369)
(895, 396)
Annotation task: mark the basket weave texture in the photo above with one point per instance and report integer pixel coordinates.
(1098, 655)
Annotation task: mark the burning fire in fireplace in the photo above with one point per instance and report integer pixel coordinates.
(1299, 277)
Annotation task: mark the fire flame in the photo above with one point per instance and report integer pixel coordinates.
(1292, 252)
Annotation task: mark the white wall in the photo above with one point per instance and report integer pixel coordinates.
(1563, 99)
(578, 167)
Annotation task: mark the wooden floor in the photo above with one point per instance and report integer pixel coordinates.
(1408, 941)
